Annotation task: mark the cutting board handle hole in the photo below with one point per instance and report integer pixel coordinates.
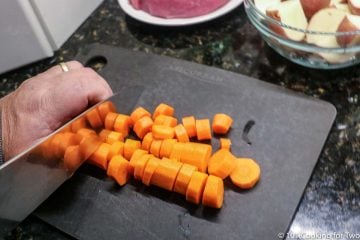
(97, 63)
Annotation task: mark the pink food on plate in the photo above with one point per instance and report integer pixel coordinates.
(178, 8)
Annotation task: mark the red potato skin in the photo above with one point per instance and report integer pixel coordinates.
(354, 9)
(310, 7)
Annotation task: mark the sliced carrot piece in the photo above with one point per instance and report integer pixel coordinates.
(100, 157)
(114, 137)
(149, 170)
(176, 151)
(246, 173)
(164, 109)
(181, 133)
(55, 145)
(147, 140)
(87, 133)
(117, 148)
(195, 189)
(138, 113)
(183, 178)
(143, 126)
(66, 129)
(78, 124)
(68, 139)
(45, 149)
(73, 158)
(165, 120)
(221, 123)
(189, 125)
(166, 147)
(222, 163)
(225, 143)
(105, 108)
(165, 174)
(130, 146)
(118, 169)
(122, 124)
(138, 153)
(161, 132)
(203, 130)
(94, 118)
(110, 120)
(88, 146)
(213, 195)
(155, 147)
(196, 154)
(104, 134)
(140, 165)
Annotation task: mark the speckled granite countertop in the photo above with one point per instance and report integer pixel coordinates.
(331, 203)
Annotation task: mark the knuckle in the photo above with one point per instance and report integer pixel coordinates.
(75, 64)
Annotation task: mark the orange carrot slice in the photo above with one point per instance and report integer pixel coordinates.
(225, 143)
(100, 157)
(222, 163)
(147, 140)
(155, 147)
(163, 109)
(94, 119)
(118, 169)
(189, 125)
(165, 174)
(149, 170)
(104, 134)
(66, 129)
(117, 148)
(78, 124)
(114, 137)
(140, 165)
(183, 178)
(203, 130)
(68, 139)
(105, 108)
(73, 158)
(166, 147)
(165, 120)
(161, 132)
(138, 153)
(110, 120)
(221, 123)
(143, 126)
(246, 173)
(138, 113)
(88, 146)
(130, 146)
(86, 133)
(196, 154)
(196, 187)
(122, 124)
(181, 133)
(55, 145)
(213, 195)
(176, 151)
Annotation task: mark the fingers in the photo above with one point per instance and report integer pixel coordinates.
(57, 70)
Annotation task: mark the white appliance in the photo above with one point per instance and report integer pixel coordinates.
(31, 30)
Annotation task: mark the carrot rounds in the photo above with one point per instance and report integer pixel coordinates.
(165, 174)
(139, 113)
(117, 148)
(149, 170)
(86, 133)
(163, 132)
(147, 140)
(110, 136)
(94, 118)
(118, 169)
(155, 147)
(164, 109)
(138, 153)
(213, 195)
(203, 130)
(143, 126)
(73, 158)
(165, 120)
(130, 146)
(105, 108)
(110, 120)
(246, 173)
(100, 157)
(221, 123)
(78, 124)
(166, 147)
(189, 125)
(225, 143)
(196, 187)
(140, 165)
(88, 146)
(183, 178)
(181, 133)
(122, 124)
(222, 163)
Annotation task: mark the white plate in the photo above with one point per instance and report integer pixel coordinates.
(147, 18)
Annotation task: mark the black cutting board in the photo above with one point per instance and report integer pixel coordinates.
(289, 132)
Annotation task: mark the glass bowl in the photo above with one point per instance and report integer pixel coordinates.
(301, 52)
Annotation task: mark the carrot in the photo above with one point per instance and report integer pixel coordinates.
(73, 158)
(221, 123)
(203, 130)
(104, 134)
(138, 153)
(78, 124)
(196, 154)
(86, 133)
(117, 148)
(122, 124)
(165, 174)
(149, 170)
(68, 139)
(110, 136)
(94, 119)
(66, 129)
(165, 120)
(246, 173)
(110, 120)
(100, 157)
(88, 146)
(118, 169)
(213, 195)
(166, 147)
(189, 125)
(143, 126)
(196, 187)
(155, 147)
(225, 143)
(147, 140)
(55, 145)
(138, 113)
(140, 165)
(181, 133)
(163, 132)
(177, 150)
(183, 178)
(222, 163)
(163, 109)
(45, 149)
(130, 146)
(105, 108)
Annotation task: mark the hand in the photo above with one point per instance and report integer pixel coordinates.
(46, 102)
